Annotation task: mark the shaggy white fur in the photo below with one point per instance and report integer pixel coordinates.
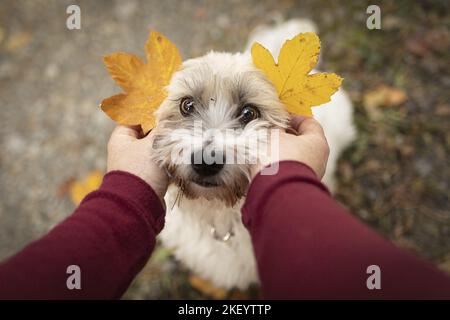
(189, 220)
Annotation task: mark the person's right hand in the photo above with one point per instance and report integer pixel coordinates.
(305, 143)
(130, 151)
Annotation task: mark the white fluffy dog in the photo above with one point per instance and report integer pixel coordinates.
(225, 91)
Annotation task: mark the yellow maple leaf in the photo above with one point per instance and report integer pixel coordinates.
(143, 83)
(79, 189)
(296, 88)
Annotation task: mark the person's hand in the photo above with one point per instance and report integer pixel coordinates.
(305, 143)
(129, 151)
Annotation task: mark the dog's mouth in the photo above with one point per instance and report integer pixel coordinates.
(206, 184)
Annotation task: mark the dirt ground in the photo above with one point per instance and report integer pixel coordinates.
(395, 177)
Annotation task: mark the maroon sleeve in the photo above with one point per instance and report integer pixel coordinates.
(110, 236)
(308, 247)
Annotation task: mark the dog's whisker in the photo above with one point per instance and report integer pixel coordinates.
(176, 199)
(180, 197)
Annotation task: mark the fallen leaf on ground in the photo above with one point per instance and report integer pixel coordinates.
(64, 187)
(79, 189)
(240, 295)
(207, 288)
(438, 39)
(442, 110)
(17, 41)
(382, 96)
(143, 83)
(417, 46)
(406, 150)
(296, 88)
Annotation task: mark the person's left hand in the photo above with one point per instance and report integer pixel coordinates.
(129, 151)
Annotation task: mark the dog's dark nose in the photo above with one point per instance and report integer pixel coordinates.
(205, 168)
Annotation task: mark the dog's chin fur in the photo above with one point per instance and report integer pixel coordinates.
(228, 194)
(222, 193)
(220, 84)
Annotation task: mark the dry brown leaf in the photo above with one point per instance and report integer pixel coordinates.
(385, 96)
(207, 288)
(240, 295)
(382, 96)
(17, 41)
(64, 188)
(442, 110)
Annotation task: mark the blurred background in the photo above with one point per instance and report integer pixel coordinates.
(53, 135)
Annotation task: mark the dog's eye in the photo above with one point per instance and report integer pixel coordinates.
(187, 106)
(248, 113)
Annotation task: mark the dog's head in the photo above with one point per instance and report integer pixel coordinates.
(209, 126)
